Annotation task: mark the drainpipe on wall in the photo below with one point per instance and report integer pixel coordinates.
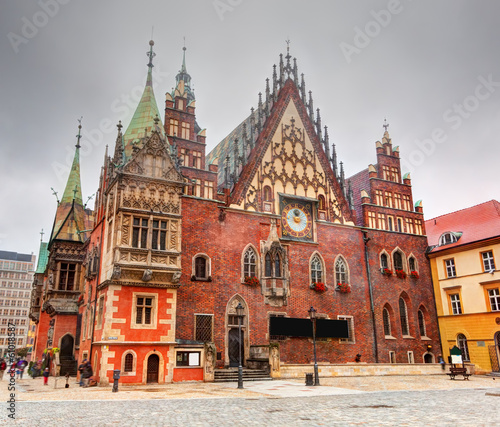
(366, 239)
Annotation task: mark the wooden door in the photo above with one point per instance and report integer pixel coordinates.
(234, 345)
(153, 368)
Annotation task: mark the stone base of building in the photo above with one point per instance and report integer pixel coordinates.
(363, 369)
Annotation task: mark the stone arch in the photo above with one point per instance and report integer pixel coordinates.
(208, 266)
(67, 346)
(161, 367)
(230, 324)
(388, 259)
(415, 266)
(134, 362)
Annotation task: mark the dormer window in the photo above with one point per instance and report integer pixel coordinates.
(447, 238)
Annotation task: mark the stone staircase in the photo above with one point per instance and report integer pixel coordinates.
(231, 375)
(68, 365)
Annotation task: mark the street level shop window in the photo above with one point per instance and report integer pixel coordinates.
(188, 358)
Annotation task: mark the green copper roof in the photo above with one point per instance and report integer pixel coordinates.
(43, 258)
(70, 214)
(144, 117)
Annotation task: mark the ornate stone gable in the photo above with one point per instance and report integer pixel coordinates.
(288, 158)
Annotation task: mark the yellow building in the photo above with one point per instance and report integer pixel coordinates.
(465, 255)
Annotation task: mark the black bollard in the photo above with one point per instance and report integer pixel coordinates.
(116, 377)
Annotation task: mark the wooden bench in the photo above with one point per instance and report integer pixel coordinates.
(458, 371)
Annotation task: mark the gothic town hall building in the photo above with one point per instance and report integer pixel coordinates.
(149, 281)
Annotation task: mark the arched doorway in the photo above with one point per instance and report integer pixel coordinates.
(153, 368)
(236, 342)
(428, 358)
(66, 359)
(495, 353)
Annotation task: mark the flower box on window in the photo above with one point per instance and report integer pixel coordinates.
(251, 281)
(387, 272)
(414, 274)
(344, 288)
(319, 287)
(401, 274)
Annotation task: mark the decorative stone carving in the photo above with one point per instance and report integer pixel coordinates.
(147, 275)
(176, 277)
(117, 272)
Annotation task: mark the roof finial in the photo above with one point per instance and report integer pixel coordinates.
(151, 54)
(287, 47)
(385, 125)
(79, 136)
(41, 235)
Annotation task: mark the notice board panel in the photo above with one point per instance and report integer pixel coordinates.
(294, 327)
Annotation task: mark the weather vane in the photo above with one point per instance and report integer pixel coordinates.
(385, 125)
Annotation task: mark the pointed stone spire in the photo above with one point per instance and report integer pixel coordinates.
(318, 124)
(342, 178)
(118, 157)
(252, 127)
(226, 172)
(327, 143)
(275, 84)
(268, 99)
(144, 115)
(295, 73)
(282, 72)
(259, 113)
(310, 106)
(303, 89)
(70, 216)
(334, 160)
(184, 76)
(350, 195)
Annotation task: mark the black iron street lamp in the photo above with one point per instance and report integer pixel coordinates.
(312, 316)
(239, 313)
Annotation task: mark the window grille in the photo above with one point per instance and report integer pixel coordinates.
(129, 363)
(203, 324)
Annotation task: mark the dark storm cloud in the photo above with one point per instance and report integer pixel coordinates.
(417, 63)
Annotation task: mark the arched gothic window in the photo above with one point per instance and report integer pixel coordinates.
(277, 266)
(341, 271)
(421, 323)
(267, 196)
(321, 203)
(403, 314)
(316, 269)
(398, 260)
(272, 265)
(249, 263)
(383, 261)
(200, 267)
(269, 265)
(463, 346)
(412, 264)
(386, 317)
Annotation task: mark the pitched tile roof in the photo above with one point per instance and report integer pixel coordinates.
(476, 223)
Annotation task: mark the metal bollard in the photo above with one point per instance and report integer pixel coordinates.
(309, 379)
(116, 377)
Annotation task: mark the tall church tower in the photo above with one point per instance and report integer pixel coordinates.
(187, 138)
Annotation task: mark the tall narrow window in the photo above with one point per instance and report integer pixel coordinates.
(321, 203)
(494, 296)
(397, 200)
(144, 308)
(488, 261)
(200, 267)
(267, 196)
(185, 130)
(421, 323)
(398, 260)
(372, 220)
(159, 235)
(386, 318)
(174, 127)
(394, 174)
(277, 266)
(456, 306)
(249, 263)
(341, 271)
(412, 264)
(403, 317)
(383, 261)
(203, 325)
(269, 265)
(463, 346)
(316, 270)
(379, 198)
(67, 276)
(129, 363)
(100, 311)
(197, 159)
(381, 221)
(388, 199)
(209, 190)
(399, 225)
(140, 233)
(350, 329)
(450, 268)
(390, 223)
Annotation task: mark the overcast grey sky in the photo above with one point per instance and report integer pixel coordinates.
(432, 68)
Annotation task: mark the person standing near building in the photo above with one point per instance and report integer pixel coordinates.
(3, 367)
(46, 376)
(87, 373)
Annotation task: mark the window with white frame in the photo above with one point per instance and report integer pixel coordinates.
(447, 238)
(201, 267)
(250, 263)
(392, 357)
(450, 267)
(384, 263)
(316, 269)
(397, 259)
(488, 261)
(456, 306)
(350, 329)
(341, 275)
(411, 359)
(494, 296)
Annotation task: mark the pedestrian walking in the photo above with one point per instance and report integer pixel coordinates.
(46, 376)
(80, 370)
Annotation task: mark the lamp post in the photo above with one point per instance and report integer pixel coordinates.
(312, 316)
(239, 313)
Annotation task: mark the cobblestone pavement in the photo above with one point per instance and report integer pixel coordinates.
(377, 401)
(461, 407)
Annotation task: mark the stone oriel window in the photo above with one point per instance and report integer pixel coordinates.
(67, 275)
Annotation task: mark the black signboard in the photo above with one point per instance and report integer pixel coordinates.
(292, 327)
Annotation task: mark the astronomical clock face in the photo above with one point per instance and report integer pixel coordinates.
(296, 219)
